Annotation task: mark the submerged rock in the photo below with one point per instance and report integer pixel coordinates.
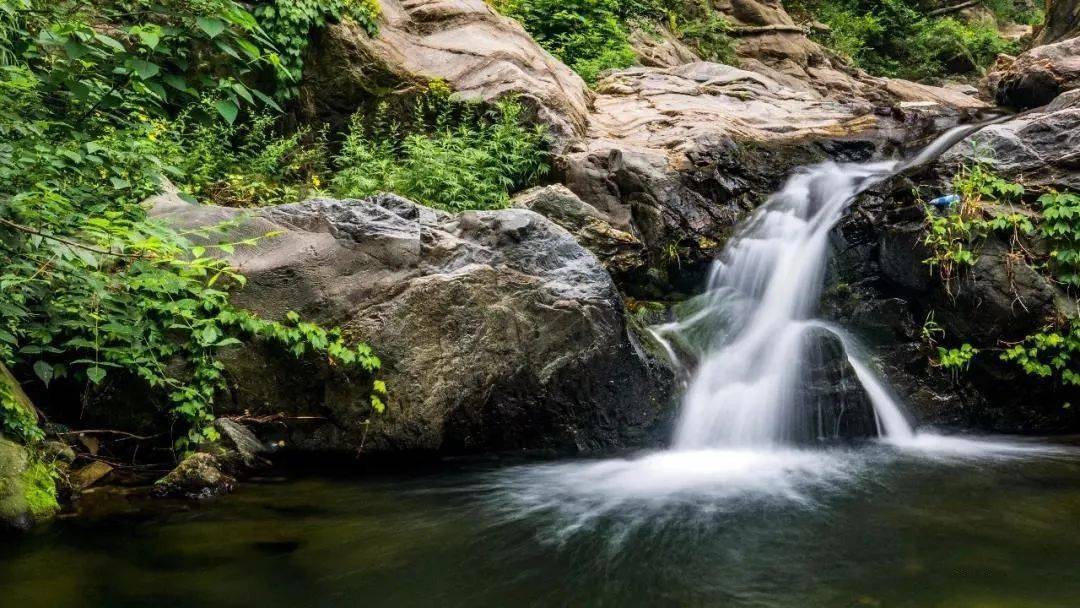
(497, 330)
(197, 477)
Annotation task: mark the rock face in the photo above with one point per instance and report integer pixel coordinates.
(1036, 77)
(881, 288)
(1043, 147)
(1062, 21)
(496, 329)
(480, 54)
(676, 156)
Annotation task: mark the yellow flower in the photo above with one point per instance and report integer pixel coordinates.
(315, 181)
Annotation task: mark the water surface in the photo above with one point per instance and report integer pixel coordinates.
(937, 524)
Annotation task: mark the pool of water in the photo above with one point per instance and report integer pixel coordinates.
(939, 523)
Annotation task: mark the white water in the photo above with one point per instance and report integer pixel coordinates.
(737, 438)
(759, 309)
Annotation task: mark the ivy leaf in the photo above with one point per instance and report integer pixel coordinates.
(95, 374)
(211, 26)
(44, 371)
(227, 109)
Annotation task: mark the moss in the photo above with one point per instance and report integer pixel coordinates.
(39, 491)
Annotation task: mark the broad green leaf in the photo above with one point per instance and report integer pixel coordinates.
(227, 109)
(211, 25)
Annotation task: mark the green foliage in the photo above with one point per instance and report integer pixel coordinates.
(289, 24)
(896, 38)
(39, 489)
(592, 36)
(453, 156)
(956, 359)
(90, 286)
(16, 421)
(1061, 226)
(953, 237)
(1050, 353)
(246, 164)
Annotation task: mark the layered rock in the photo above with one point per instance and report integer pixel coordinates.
(1036, 77)
(677, 156)
(478, 53)
(496, 329)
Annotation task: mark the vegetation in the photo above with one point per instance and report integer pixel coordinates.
(592, 36)
(448, 155)
(897, 38)
(95, 102)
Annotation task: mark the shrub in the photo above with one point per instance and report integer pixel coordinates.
(462, 158)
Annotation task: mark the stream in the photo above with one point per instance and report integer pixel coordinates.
(956, 524)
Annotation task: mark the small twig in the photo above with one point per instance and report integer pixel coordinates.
(111, 432)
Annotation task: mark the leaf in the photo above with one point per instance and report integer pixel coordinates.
(95, 374)
(145, 69)
(110, 42)
(44, 371)
(212, 26)
(227, 109)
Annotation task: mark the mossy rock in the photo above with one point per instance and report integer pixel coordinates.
(27, 488)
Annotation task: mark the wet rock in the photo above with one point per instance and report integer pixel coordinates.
(27, 489)
(836, 407)
(496, 329)
(480, 54)
(1036, 77)
(197, 477)
(89, 475)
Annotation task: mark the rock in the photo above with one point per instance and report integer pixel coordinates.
(621, 252)
(89, 475)
(238, 450)
(496, 329)
(677, 156)
(477, 52)
(197, 477)
(1062, 21)
(657, 47)
(27, 489)
(1036, 77)
(837, 407)
(1038, 147)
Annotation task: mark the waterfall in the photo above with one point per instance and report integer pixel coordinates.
(756, 319)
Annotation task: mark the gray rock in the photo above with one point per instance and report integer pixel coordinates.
(1062, 21)
(497, 330)
(1036, 77)
(1042, 147)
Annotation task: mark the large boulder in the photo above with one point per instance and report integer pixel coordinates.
(1036, 77)
(27, 489)
(478, 53)
(1042, 147)
(497, 330)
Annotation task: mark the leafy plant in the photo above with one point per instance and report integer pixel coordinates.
(956, 359)
(1050, 353)
(1061, 226)
(289, 24)
(455, 156)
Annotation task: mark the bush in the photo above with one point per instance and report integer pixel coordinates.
(453, 156)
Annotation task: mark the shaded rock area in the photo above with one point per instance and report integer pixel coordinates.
(497, 330)
(1062, 21)
(880, 286)
(1036, 77)
(27, 490)
(837, 407)
(480, 54)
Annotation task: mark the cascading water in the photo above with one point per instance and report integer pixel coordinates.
(757, 316)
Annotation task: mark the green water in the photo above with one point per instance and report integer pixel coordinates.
(869, 527)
